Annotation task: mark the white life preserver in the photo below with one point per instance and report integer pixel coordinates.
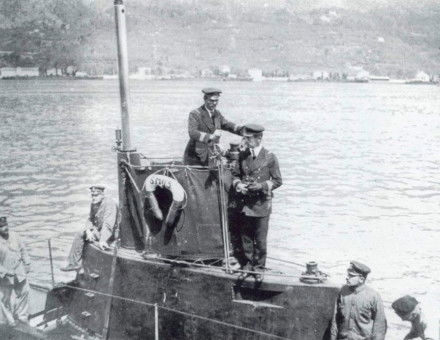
(151, 183)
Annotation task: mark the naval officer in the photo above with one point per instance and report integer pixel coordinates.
(255, 176)
(359, 313)
(204, 128)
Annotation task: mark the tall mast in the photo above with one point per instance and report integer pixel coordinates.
(121, 35)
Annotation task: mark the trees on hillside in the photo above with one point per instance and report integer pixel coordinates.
(52, 32)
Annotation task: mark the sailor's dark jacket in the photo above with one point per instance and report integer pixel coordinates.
(263, 169)
(200, 127)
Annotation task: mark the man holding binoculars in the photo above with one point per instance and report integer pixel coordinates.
(255, 176)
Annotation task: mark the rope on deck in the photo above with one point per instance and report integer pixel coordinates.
(250, 272)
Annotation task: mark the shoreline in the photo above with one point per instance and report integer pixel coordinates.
(281, 80)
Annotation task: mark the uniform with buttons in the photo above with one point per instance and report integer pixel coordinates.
(252, 209)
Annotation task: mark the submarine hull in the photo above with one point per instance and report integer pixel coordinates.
(190, 302)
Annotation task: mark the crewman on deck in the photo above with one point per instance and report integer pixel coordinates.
(255, 176)
(99, 227)
(204, 128)
(14, 266)
(359, 312)
(409, 309)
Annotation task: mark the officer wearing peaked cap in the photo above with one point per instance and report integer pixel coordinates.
(204, 128)
(255, 176)
(409, 309)
(359, 312)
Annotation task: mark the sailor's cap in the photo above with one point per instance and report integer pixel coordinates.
(211, 91)
(359, 268)
(3, 221)
(97, 186)
(404, 305)
(251, 129)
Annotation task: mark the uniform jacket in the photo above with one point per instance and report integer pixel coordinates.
(14, 258)
(359, 315)
(104, 217)
(200, 127)
(263, 169)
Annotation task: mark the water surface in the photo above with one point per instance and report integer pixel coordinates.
(359, 164)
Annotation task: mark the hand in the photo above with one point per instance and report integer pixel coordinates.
(255, 186)
(89, 235)
(216, 136)
(218, 133)
(88, 225)
(241, 187)
(103, 245)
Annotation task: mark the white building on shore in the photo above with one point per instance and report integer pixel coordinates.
(256, 74)
(13, 72)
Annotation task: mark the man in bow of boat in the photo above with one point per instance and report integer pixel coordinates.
(14, 266)
(409, 309)
(204, 128)
(255, 176)
(359, 312)
(99, 228)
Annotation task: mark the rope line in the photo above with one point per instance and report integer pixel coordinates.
(235, 270)
(285, 261)
(179, 312)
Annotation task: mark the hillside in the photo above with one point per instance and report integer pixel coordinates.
(384, 37)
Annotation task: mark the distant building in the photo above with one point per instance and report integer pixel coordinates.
(80, 74)
(28, 72)
(422, 77)
(362, 76)
(225, 70)
(256, 74)
(6, 72)
(321, 75)
(206, 73)
(9, 72)
(142, 73)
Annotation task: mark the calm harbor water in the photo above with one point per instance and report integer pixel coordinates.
(360, 165)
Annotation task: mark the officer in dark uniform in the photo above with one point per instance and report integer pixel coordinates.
(204, 129)
(256, 175)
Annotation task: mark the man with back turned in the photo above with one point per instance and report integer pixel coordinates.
(204, 128)
(359, 313)
(423, 326)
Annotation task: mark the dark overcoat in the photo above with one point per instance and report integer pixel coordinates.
(200, 128)
(263, 169)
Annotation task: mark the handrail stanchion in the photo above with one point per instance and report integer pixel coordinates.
(156, 321)
(224, 216)
(51, 263)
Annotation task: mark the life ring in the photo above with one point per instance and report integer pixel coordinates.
(151, 183)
